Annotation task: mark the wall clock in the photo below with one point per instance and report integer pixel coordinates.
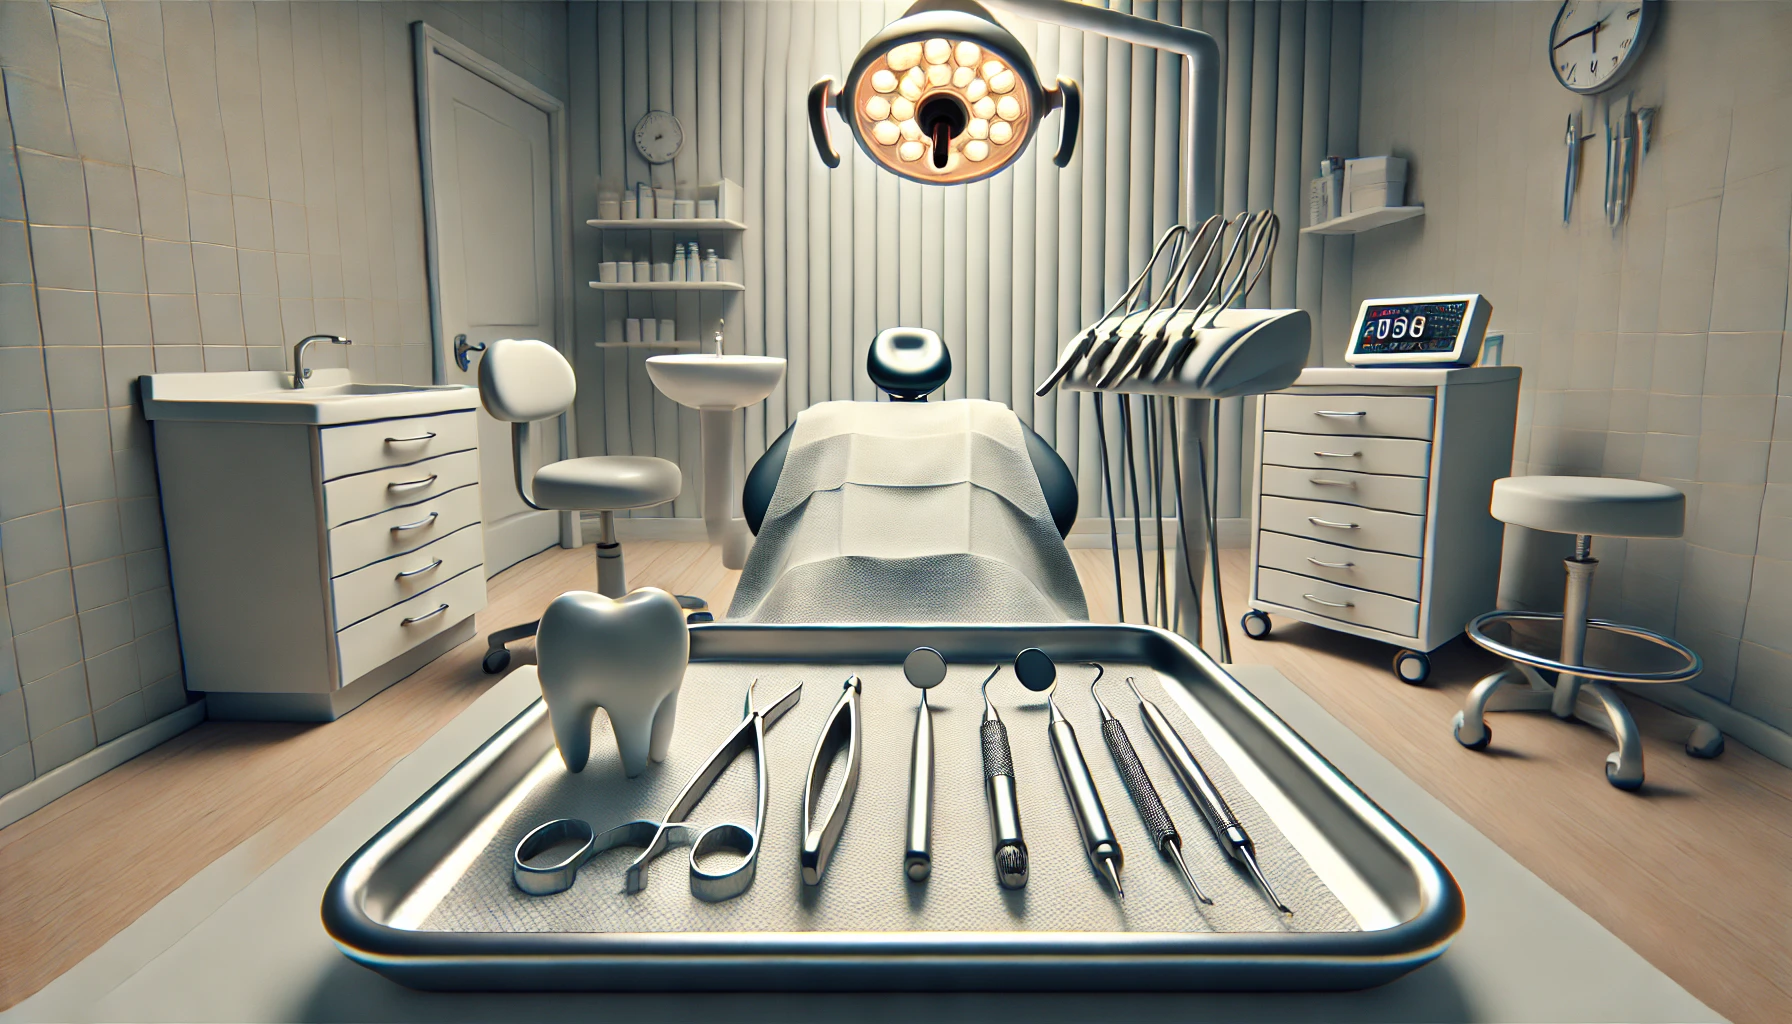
(1595, 43)
(659, 136)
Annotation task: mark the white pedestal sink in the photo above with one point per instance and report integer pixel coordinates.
(716, 386)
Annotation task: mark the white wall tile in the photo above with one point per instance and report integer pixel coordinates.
(100, 583)
(84, 456)
(112, 196)
(210, 218)
(13, 730)
(169, 266)
(39, 113)
(289, 227)
(116, 719)
(118, 262)
(1689, 267)
(124, 320)
(15, 768)
(77, 377)
(113, 675)
(70, 318)
(147, 570)
(175, 321)
(40, 600)
(52, 653)
(58, 748)
(105, 629)
(61, 257)
(221, 322)
(158, 656)
(254, 222)
(162, 199)
(1761, 674)
(141, 522)
(165, 696)
(28, 465)
(124, 364)
(93, 531)
(225, 357)
(55, 189)
(180, 358)
(214, 269)
(22, 385)
(193, 86)
(18, 310)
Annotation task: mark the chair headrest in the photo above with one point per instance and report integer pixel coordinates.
(908, 363)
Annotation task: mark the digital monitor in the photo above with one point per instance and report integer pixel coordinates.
(1435, 330)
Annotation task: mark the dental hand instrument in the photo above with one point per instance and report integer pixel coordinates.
(1138, 784)
(1010, 847)
(1091, 340)
(822, 825)
(1263, 229)
(925, 669)
(1225, 825)
(1036, 672)
(655, 837)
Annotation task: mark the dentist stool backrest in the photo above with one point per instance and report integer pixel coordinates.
(524, 381)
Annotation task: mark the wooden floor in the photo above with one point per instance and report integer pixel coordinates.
(1694, 872)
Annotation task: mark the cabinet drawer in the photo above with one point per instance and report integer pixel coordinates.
(398, 530)
(372, 642)
(1357, 415)
(1383, 573)
(349, 498)
(359, 447)
(1370, 490)
(1395, 455)
(1350, 525)
(1348, 604)
(376, 587)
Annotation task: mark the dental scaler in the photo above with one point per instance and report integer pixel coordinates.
(998, 786)
(1036, 672)
(1225, 825)
(1144, 794)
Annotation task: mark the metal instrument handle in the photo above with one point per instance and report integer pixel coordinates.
(1138, 784)
(437, 564)
(1336, 526)
(405, 485)
(917, 860)
(430, 436)
(1091, 817)
(1329, 604)
(997, 760)
(1340, 415)
(1201, 788)
(1332, 565)
(419, 524)
(425, 615)
(1339, 455)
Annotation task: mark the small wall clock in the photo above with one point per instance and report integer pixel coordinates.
(659, 136)
(1595, 43)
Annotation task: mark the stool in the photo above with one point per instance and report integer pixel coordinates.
(1585, 654)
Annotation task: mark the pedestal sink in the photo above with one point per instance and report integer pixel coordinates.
(716, 386)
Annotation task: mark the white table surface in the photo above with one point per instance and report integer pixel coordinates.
(231, 945)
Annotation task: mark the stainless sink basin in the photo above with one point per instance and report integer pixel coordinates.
(267, 396)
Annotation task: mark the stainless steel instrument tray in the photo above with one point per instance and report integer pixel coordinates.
(1375, 903)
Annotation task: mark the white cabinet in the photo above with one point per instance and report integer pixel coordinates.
(1372, 486)
(314, 565)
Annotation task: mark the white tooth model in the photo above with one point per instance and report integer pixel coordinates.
(626, 656)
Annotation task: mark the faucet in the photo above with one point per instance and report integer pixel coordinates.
(300, 374)
(719, 324)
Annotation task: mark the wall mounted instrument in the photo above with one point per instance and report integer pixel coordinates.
(822, 822)
(925, 669)
(1144, 794)
(1594, 44)
(1435, 330)
(1037, 673)
(659, 136)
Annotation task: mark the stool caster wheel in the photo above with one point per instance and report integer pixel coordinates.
(696, 617)
(1480, 744)
(1706, 741)
(1255, 625)
(1617, 781)
(496, 660)
(1412, 667)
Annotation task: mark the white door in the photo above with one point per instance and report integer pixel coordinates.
(494, 270)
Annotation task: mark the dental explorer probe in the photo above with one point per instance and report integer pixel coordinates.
(998, 787)
(1036, 672)
(925, 668)
(1138, 784)
(1225, 825)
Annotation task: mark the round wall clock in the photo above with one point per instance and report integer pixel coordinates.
(659, 136)
(1594, 43)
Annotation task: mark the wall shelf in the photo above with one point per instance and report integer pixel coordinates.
(1364, 220)
(668, 286)
(669, 224)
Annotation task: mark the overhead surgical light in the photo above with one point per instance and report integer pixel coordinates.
(944, 95)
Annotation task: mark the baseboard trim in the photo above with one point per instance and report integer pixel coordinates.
(1762, 737)
(60, 782)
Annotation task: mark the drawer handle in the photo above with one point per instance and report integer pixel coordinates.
(1335, 526)
(1310, 597)
(1339, 415)
(419, 618)
(437, 564)
(1321, 481)
(1310, 558)
(418, 525)
(1339, 455)
(412, 440)
(407, 485)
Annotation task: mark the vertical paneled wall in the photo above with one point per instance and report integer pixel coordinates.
(1004, 269)
(184, 187)
(1656, 351)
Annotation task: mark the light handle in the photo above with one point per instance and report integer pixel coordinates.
(818, 122)
(1068, 96)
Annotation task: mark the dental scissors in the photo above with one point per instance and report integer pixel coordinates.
(656, 837)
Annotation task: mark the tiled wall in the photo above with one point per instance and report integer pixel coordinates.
(1657, 351)
(183, 187)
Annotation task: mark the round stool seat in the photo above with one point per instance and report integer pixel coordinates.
(1590, 505)
(604, 483)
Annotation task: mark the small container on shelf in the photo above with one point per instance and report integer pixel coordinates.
(643, 272)
(706, 209)
(625, 273)
(609, 208)
(606, 272)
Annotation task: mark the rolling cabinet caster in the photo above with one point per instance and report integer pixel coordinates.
(1255, 625)
(496, 660)
(1412, 667)
(1480, 744)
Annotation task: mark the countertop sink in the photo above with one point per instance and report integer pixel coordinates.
(715, 382)
(267, 396)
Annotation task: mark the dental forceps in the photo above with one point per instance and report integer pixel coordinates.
(656, 837)
(822, 825)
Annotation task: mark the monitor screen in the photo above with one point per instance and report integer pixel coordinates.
(1411, 327)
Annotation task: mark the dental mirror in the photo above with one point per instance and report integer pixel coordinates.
(1035, 670)
(924, 667)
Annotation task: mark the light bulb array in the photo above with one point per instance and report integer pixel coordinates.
(993, 111)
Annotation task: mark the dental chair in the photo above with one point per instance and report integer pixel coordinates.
(523, 382)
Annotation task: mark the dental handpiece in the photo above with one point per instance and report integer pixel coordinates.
(925, 669)
(1144, 795)
(998, 787)
(1225, 825)
(1099, 841)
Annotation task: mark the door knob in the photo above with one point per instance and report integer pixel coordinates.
(463, 352)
